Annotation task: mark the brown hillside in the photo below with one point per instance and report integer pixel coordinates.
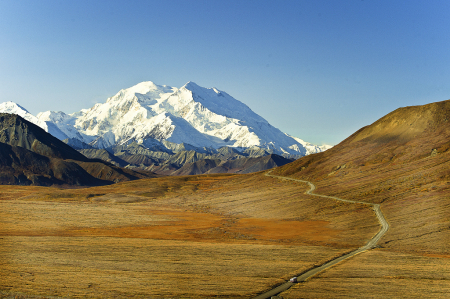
(405, 124)
(405, 135)
(403, 162)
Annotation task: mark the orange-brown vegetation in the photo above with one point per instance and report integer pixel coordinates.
(198, 236)
(380, 274)
(401, 161)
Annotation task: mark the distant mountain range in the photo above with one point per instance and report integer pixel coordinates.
(150, 114)
(161, 129)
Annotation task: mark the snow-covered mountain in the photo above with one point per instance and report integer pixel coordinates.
(311, 148)
(48, 126)
(149, 114)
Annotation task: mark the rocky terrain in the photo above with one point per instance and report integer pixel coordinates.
(31, 156)
(186, 161)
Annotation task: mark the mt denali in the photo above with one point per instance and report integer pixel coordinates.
(157, 115)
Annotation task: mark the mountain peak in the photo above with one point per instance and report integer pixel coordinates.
(191, 85)
(14, 108)
(146, 88)
(143, 87)
(11, 106)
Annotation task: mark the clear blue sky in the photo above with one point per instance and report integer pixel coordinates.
(318, 70)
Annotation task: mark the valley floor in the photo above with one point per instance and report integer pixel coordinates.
(222, 236)
(187, 237)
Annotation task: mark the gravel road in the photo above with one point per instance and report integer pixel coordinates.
(371, 244)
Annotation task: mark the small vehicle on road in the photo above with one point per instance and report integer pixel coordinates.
(293, 279)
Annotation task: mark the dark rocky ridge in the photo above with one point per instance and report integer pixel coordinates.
(241, 165)
(16, 131)
(185, 159)
(31, 156)
(102, 154)
(20, 166)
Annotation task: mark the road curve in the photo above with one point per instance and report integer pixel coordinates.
(371, 244)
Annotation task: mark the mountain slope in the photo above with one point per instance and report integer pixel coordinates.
(197, 167)
(240, 165)
(20, 166)
(401, 161)
(104, 155)
(29, 155)
(48, 126)
(404, 135)
(16, 131)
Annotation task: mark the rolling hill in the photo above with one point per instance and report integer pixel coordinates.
(401, 161)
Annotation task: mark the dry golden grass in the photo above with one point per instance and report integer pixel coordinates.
(415, 199)
(106, 267)
(186, 237)
(402, 162)
(380, 274)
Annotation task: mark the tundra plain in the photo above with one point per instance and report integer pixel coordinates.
(222, 236)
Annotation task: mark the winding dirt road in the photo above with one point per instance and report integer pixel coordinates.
(371, 244)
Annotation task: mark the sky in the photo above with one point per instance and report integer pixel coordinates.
(318, 69)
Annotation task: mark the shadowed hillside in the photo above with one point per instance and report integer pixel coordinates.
(16, 131)
(31, 156)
